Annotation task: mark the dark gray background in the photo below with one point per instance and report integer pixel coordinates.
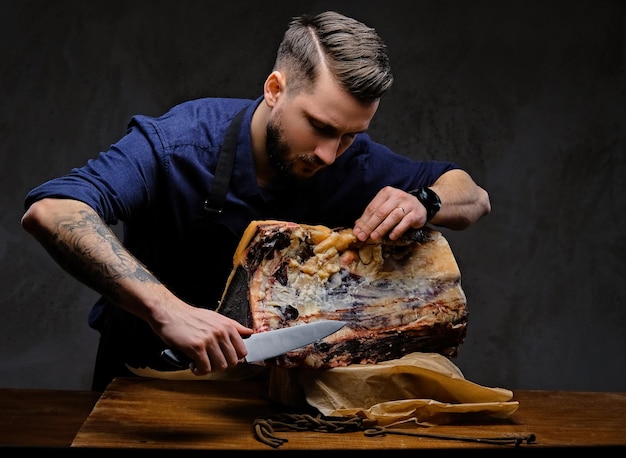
(528, 96)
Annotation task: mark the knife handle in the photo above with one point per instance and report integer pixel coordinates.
(176, 358)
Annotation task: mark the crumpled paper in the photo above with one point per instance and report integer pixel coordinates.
(426, 388)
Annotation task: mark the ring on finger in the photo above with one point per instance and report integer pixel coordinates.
(403, 211)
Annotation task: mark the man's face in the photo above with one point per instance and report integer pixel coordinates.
(309, 130)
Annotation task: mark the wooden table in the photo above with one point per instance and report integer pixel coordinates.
(138, 413)
(43, 418)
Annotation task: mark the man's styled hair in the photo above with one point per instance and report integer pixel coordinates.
(353, 52)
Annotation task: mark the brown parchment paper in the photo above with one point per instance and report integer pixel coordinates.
(422, 387)
(426, 388)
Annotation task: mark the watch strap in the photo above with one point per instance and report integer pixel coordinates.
(429, 199)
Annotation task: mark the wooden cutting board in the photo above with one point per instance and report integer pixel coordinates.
(145, 413)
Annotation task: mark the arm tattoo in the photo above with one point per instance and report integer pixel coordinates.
(87, 248)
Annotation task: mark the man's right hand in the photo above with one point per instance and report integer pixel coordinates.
(213, 341)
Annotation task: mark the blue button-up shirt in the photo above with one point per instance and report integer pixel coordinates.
(157, 177)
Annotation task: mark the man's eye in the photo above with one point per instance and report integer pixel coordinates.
(330, 132)
(324, 130)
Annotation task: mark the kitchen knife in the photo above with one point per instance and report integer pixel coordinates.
(268, 344)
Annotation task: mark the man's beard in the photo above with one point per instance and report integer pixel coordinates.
(277, 152)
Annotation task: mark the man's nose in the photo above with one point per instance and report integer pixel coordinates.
(327, 150)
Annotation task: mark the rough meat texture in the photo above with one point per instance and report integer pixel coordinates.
(397, 297)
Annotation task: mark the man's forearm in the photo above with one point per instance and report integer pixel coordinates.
(85, 246)
(463, 202)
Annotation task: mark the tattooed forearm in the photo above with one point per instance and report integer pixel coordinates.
(88, 249)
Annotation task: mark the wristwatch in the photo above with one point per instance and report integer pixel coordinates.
(429, 199)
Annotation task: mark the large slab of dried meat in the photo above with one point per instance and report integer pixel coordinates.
(397, 297)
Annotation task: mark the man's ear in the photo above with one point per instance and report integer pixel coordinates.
(274, 86)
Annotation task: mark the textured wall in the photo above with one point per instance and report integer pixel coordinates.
(529, 96)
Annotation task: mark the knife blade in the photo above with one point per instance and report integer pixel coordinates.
(268, 344)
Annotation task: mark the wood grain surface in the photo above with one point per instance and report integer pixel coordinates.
(42, 418)
(218, 415)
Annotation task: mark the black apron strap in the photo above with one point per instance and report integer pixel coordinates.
(214, 204)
